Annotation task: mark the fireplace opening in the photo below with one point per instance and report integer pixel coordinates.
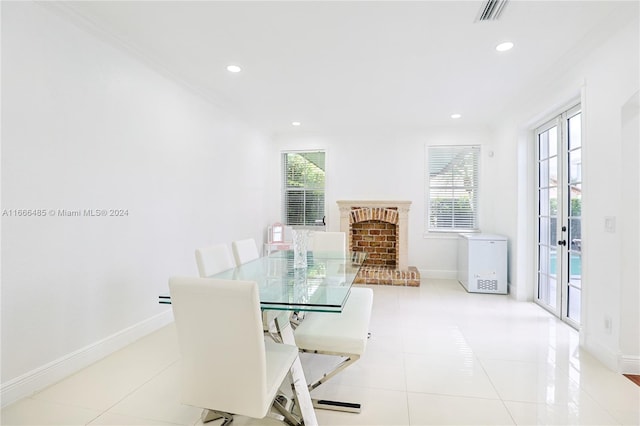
(377, 238)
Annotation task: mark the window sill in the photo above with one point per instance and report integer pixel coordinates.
(446, 235)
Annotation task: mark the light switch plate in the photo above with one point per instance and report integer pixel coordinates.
(610, 224)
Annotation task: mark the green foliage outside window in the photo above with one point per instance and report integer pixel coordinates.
(304, 188)
(451, 213)
(452, 188)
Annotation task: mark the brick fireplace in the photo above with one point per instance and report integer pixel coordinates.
(380, 229)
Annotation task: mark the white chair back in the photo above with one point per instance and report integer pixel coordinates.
(329, 241)
(224, 364)
(213, 259)
(245, 250)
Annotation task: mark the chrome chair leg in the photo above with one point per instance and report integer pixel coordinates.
(210, 415)
(289, 417)
(350, 407)
(350, 359)
(326, 404)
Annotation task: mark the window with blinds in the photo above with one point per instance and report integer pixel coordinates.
(452, 188)
(303, 175)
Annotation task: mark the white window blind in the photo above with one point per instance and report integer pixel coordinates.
(452, 188)
(303, 182)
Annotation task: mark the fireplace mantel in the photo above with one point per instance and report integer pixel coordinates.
(348, 204)
(402, 207)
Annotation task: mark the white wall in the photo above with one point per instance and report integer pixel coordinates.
(368, 164)
(87, 126)
(630, 238)
(604, 81)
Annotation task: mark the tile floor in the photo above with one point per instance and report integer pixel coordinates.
(437, 355)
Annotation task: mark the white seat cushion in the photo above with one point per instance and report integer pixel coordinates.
(344, 332)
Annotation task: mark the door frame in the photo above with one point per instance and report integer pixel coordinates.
(563, 256)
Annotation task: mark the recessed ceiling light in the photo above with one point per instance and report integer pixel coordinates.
(503, 47)
(234, 68)
(456, 115)
(295, 123)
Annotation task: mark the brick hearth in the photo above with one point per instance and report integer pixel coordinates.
(389, 276)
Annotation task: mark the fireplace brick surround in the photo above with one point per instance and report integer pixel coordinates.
(380, 229)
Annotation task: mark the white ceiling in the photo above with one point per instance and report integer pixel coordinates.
(360, 64)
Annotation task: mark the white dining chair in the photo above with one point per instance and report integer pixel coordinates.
(227, 366)
(342, 334)
(245, 250)
(213, 259)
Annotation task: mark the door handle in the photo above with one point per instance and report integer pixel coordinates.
(562, 242)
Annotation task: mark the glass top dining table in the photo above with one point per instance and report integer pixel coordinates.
(323, 286)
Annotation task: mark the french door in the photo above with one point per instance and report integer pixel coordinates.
(559, 215)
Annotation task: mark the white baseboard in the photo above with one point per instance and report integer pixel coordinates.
(605, 355)
(438, 274)
(620, 363)
(629, 364)
(48, 374)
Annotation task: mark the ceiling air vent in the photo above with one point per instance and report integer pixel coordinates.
(491, 10)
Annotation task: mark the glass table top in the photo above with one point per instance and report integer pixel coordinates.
(323, 286)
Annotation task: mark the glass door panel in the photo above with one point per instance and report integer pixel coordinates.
(574, 216)
(547, 220)
(559, 214)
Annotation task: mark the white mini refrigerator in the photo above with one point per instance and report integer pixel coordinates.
(482, 263)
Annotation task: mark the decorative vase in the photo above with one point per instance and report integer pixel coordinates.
(300, 242)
